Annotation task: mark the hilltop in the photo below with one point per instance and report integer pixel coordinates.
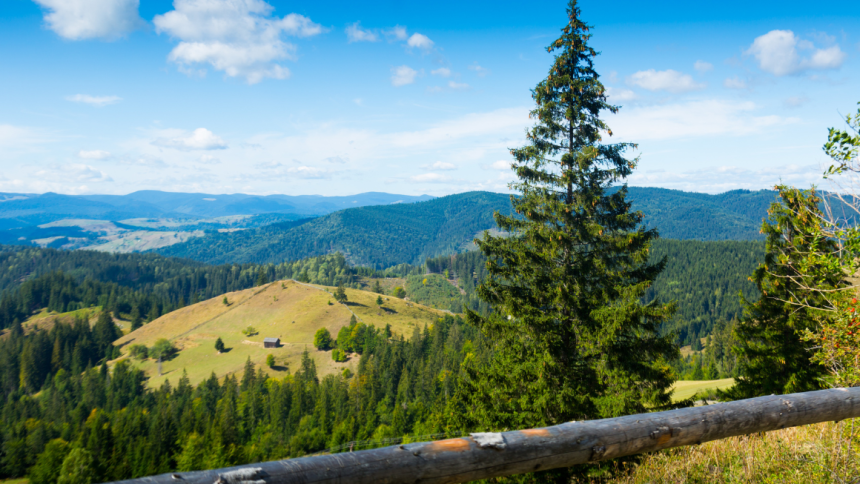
(287, 310)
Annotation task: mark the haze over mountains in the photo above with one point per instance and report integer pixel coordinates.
(373, 229)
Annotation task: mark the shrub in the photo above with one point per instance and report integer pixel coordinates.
(322, 339)
(270, 360)
(399, 292)
(163, 349)
(139, 352)
(249, 331)
(338, 355)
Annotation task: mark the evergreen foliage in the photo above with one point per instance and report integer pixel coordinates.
(340, 294)
(572, 339)
(219, 345)
(772, 355)
(90, 424)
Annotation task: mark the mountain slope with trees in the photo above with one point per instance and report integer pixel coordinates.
(382, 236)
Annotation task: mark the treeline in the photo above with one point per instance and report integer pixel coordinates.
(139, 287)
(373, 236)
(101, 425)
(703, 278)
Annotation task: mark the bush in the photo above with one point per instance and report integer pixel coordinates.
(249, 331)
(322, 339)
(338, 355)
(270, 361)
(163, 349)
(398, 292)
(139, 352)
(219, 345)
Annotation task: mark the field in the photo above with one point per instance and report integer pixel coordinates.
(287, 310)
(688, 388)
(825, 452)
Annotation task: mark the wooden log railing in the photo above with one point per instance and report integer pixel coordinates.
(485, 455)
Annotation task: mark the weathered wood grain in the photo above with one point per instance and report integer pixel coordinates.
(483, 456)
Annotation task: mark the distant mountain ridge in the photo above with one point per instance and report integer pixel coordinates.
(21, 209)
(382, 236)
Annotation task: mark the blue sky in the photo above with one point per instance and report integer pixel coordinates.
(334, 98)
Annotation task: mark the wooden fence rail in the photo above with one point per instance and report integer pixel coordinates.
(501, 454)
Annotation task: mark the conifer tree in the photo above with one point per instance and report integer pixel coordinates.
(340, 294)
(571, 338)
(773, 358)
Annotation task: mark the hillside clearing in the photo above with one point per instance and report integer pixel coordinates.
(687, 388)
(287, 310)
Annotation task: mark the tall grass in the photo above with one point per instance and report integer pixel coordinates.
(825, 452)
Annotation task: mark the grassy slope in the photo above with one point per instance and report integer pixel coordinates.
(288, 310)
(687, 388)
(825, 452)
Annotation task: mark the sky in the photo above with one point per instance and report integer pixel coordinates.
(338, 98)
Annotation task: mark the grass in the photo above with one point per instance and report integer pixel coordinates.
(287, 310)
(687, 388)
(825, 452)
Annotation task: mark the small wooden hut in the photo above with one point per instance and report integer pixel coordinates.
(271, 342)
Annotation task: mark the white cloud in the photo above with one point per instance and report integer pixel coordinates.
(89, 19)
(403, 75)
(777, 53)
(420, 41)
(94, 100)
(668, 80)
(442, 72)
(209, 159)
(441, 165)
(734, 83)
(354, 33)
(396, 33)
(337, 159)
(238, 37)
(15, 135)
(719, 179)
(702, 66)
(501, 165)
(358, 101)
(795, 101)
(431, 178)
(74, 172)
(459, 86)
(200, 139)
(692, 119)
(619, 95)
(94, 155)
(480, 71)
(308, 172)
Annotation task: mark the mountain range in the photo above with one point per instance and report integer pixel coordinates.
(22, 209)
(382, 236)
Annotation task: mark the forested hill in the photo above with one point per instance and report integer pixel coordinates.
(377, 236)
(382, 236)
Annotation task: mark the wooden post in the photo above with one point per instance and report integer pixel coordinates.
(488, 455)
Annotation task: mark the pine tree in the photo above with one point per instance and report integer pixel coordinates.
(340, 294)
(377, 287)
(219, 345)
(773, 358)
(571, 338)
(136, 320)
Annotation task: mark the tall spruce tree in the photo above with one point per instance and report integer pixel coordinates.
(571, 338)
(773, 358)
